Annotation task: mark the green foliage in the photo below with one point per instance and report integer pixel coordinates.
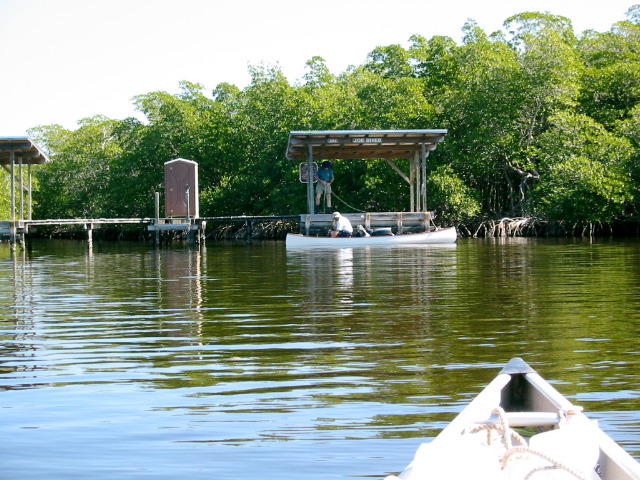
(5, 193)
(435, 62)
(452, 198)
(585, 171)
(540, 121)
(582, 190)
(630, 128)
(487, 109)
(76, 182)
(530, 26)
(391, 61)
(611, 80)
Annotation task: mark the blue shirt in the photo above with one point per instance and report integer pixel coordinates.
(325, 174)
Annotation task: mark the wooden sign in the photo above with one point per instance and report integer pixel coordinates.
(304, 172)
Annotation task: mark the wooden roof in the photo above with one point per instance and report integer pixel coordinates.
(361, 144)
(22, 148)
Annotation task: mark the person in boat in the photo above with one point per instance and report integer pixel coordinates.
(341, 226)
(325, 179)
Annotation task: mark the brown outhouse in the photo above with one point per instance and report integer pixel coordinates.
(181, 188)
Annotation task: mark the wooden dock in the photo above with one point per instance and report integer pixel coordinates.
(195, 228)
(17, 230)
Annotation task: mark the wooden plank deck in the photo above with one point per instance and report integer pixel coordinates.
(23, 226)
(398, 220)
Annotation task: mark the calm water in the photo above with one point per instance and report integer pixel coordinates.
(249, 362)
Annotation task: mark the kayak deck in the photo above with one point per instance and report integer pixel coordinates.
(520, 427)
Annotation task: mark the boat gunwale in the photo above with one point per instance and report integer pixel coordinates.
(443, 236)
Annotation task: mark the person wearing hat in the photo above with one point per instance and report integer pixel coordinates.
(325, 179)
(341, 226)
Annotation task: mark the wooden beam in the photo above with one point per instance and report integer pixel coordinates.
(397, 169)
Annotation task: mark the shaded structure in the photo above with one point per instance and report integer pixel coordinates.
(15, 154)
(388, 145)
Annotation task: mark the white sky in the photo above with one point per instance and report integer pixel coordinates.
(64, 60)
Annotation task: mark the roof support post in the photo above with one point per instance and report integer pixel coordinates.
(423, 161)
(419, 180)
(412, 181)
(310, 201)
(12, 159)
(21, 187)
(12, 235)
(29, 195)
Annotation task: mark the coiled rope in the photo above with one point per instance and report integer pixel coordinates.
(514, 444)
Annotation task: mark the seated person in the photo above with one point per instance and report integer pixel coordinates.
(341, 226)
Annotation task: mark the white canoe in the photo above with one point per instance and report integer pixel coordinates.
(520, 427)
(438, 236)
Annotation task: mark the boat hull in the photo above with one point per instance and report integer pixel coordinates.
(439, 236)
(522, 399)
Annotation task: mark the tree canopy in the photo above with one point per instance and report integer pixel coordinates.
(541, 122)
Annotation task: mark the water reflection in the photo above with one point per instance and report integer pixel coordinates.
(327, 277)
(352, 275)
(181, 278)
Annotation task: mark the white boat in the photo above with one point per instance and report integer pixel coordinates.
(520, 427)
(436, 236)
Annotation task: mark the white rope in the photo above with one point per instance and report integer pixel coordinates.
(514, 443)
(555, 463)
(509, 436)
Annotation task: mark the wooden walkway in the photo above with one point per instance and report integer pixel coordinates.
(195, 227)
